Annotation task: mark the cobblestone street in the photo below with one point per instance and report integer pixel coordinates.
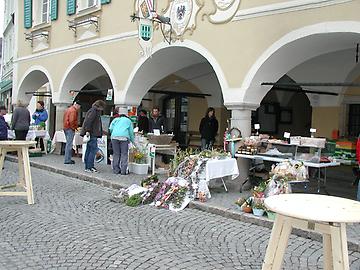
(73, 225)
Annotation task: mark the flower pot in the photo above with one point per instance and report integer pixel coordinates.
(258, 212)
(271, 215)
(138, 168)
(246, 209)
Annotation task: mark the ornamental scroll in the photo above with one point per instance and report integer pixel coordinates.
(225, 11)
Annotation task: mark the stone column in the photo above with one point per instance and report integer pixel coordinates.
(241, 119)
(59, 114)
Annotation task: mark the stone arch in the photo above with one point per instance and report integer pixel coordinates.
(83, 70)
(150, 70)
(31, 81)
(293, 49)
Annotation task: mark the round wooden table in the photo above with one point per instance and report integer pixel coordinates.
(327, 215)
(22, 149)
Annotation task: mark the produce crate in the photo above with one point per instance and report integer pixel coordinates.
(163, 139)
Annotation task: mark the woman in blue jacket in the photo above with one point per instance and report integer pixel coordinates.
(40, 116)
(122, 132)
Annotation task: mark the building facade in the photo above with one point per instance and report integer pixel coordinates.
(227, 54)
(8, 52)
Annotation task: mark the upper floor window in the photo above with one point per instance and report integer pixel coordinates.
(41, 11)
(85, 4)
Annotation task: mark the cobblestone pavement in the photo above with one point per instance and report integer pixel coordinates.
(73, 225)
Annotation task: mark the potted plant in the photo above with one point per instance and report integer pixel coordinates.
(246, 206)
(139, 165)
(259, 208)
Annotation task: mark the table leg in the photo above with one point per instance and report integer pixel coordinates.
(2, 159)
(339, 247)
(21, 167)
(27, 175)
(328, 260)
(277, 244)
(222, 179)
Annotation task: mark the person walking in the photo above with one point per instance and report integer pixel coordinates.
(143, 122)
(40, 116)
(70, 124)
(3, 125)
(121, 129)
(92, 129)
(156, 121)
(20, 121)
(208, 129)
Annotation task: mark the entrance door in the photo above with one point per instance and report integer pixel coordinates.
(176, 112)
(354, 120)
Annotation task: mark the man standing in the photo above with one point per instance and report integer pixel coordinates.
(70, 123)
(156, 121)
(92, 129)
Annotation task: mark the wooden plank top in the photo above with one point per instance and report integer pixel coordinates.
(315, 207)
(17, 143)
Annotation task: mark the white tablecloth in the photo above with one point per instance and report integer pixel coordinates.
(59, 136)
(218, 168)
(31, 135)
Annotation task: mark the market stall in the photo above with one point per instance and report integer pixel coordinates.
(190, 176)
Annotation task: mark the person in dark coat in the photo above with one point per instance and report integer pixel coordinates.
(143, 122)
(208, 129)
(156, 121)
(3, 125)
(20, 121)
(92, 128)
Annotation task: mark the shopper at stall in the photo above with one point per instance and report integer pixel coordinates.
(20, 121)
(208, 129)
(143, 122)
(156, 121)
(3, 125)
(40, 116)
(70, 124)
(91, 131)
(121, 129)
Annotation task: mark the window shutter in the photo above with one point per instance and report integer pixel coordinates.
(71, 7)
(103, 2)
(53, 10)
(27, 14)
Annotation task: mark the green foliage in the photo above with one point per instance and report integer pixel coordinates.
(134, 200)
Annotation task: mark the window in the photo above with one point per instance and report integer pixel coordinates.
(85, 4)
(41, 11)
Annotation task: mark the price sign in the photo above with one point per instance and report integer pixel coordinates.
(287, 135)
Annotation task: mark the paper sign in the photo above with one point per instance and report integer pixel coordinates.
(109, 94)
(313, 130)
(157, 132)
(286, 135)
(257, 126)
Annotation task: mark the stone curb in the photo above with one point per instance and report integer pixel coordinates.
(224, 212)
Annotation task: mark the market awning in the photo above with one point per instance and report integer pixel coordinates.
(5, 85)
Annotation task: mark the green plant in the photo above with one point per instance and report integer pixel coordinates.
(139, 157)
(134, 200)
(259, 205)
(240, 201)
(149, 180)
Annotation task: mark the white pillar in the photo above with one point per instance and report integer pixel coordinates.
(241, 119)
(60, 110)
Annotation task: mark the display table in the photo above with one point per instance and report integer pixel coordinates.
(22, 149)
(319, 166)
(168, 149)
(220, 168)
(59, 137)
(31, 135)
(327, 215)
